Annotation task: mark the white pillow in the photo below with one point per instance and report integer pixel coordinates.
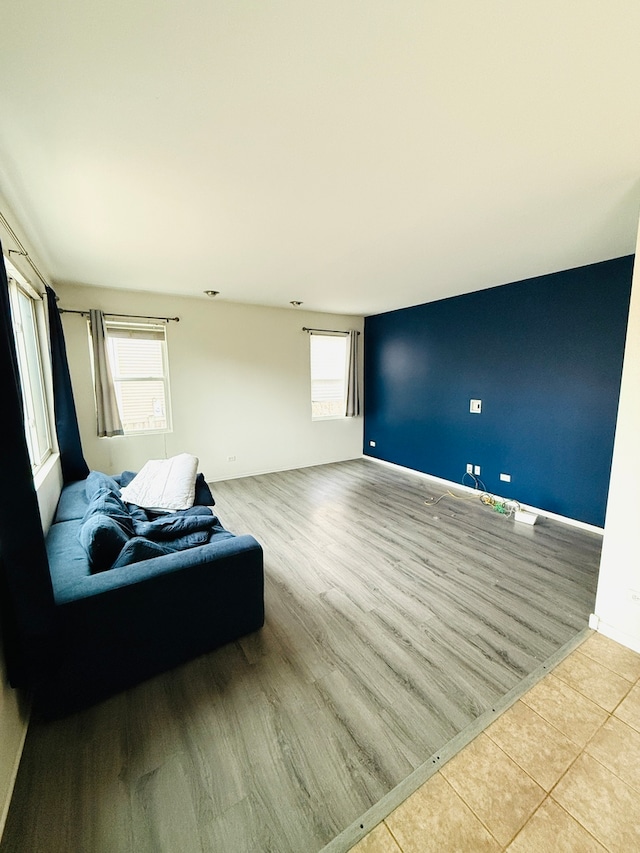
(164, 483)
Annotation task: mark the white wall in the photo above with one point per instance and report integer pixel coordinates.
(48, 484)
(239, 386)
(619, 580)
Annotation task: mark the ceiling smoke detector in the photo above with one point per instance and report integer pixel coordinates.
(211, 293)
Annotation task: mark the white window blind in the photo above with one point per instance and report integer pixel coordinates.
(138, 356)
(328, 375)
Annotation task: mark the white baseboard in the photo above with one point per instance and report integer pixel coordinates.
(628, 640)
(260, 471)
(449, 484)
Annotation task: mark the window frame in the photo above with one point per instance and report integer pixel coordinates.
(35, 378)
(343, 337)
(139, 327)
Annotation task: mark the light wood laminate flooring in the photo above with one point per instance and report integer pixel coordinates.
(392, 627)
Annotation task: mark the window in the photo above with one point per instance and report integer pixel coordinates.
(328, 375)
(27, 315)
(138, 358)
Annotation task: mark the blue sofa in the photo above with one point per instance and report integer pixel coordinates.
(119, 626)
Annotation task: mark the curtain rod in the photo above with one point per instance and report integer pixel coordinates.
(130, 316)
(21, 250)
(329, 331)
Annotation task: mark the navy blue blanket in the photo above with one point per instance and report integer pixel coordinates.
(128, 533)
(173, 525)
(164, 534)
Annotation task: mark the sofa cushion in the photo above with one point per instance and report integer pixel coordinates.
(67, 558)
(72, 503)
(103, 538)
(203, 492)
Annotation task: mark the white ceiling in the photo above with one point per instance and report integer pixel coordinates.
(358, 156)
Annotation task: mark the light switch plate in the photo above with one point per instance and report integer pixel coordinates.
(475, 406)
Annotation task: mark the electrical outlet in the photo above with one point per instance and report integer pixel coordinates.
(476, 470)
(506, 478)
(372, 444)
(469, 468)
(231, 458)
(635, 596)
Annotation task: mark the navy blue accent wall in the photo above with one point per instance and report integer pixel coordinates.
(545, 357)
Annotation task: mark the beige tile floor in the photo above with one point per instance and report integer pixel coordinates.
(558, 771)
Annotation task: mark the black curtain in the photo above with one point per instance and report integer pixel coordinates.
(71, 458)
(26, 596)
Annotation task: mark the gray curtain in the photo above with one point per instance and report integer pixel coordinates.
(353, 389)
(108, 416)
